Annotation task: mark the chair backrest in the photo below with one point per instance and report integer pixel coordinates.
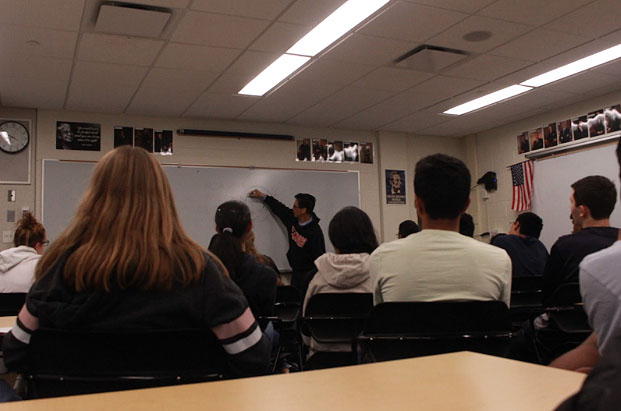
(565, 296)
(526, 292)
(11, 303)
(409, 329)
(64, 362)
(287, 294)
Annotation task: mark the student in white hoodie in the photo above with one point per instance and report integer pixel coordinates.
(347, 269)
(17, 264)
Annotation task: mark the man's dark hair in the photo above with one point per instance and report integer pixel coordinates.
(596, 192)
(351, 232)
(442, 183)
(466, 225)
(408, 227)
(619, 156)
(530, 224)
(306, 201)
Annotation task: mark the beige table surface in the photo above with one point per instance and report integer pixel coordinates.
(457, 381)
(7, 321)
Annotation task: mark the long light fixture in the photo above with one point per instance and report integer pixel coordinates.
(488, 99)
(333, 27)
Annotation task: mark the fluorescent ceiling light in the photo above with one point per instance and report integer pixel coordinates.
(488, 99)
(575, 67)
(335, 26)
(274, 74)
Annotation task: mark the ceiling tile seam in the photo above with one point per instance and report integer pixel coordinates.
(230, 15)
(569, 12)
(74, 59)
(40, 27)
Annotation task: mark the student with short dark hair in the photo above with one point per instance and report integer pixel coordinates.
(440, 264)
(406, 228)
(466, 225)
(528, 254)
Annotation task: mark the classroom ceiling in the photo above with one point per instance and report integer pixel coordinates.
(55, 57)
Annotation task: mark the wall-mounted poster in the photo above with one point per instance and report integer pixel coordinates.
(78, 136)
(366, 153)
(613, 118)
(123, 136)
(522, 142)
(550, 136)
(335, 151)
(564, 131)
(351, 151)
(143, 137)
(163, 142)
(304, 150)
(580, 127)
(320, 150)
(536, 139)
(597, 123)
(395, 187)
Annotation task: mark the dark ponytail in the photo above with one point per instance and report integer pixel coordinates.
(29, 231)
(232, 221)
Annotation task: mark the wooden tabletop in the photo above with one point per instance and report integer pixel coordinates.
(457, 381)
(7, 322)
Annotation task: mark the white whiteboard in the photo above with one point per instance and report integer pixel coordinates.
(552, 184)
(199, 190)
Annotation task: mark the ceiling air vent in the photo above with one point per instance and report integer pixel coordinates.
(430, 59)
(128, 19)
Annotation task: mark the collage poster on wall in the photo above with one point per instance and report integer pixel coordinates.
(395, 187)
(163, 142)
(320, 149)
(78, 136)
(143, 137)
(366, 153)
(123, 136)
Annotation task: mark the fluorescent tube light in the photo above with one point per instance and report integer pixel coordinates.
(343, 19)
(575, 67)
(488, 99)
(274, 74)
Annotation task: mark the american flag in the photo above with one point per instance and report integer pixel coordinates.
(522, 174)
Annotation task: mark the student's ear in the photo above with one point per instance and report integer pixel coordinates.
(584, 211)
(218, 230)
(249, 229)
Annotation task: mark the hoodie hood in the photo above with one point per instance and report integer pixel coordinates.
(344, 270)
(14, 256)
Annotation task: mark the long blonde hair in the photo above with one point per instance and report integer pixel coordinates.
(126, 230)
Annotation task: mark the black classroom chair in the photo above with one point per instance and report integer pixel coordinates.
(398, 330)
(11, 303)
(336, 318)
(526, 299)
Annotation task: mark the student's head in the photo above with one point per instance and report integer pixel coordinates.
(528, 224)
(233, 225)
(126, 231)
(466, 225)
(30, 232)
(619, 156)
(406, 228)
(592, 197)
(304, 204)
(442, 187)
(351, 232)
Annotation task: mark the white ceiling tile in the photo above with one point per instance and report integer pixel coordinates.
(437, 89)
(218, 30)
(486, 67)
(585, 82)
(164, 102)
(191, 57)
(358, 48)
(53, 14)
(252, 62)
(417, 121)
(330, 74)
(180, 80)
(230, 83)
(382, 113)
(469, 6)
(51, 43)
(225, 106)
(118, 49)
(391, 79)
(173, 4)
(412, 22)
(107, 74)
(34, 67)
(612, 68)
(280, 37)
(501, 32)
(310, 12)
(533, 12)
(593, 20)
(263, 9)
(531, 47)
(33, 92)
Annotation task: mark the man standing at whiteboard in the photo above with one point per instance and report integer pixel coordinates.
(306, 241)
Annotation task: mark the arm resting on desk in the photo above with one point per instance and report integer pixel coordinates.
(15, 343)
(582, 358)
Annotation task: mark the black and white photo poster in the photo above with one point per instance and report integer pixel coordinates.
(78, 136)
(395, 187)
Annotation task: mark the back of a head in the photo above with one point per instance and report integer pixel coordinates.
(28, 232)
(619, 156)
(530, 224)
(408, 227)
(442, 183)
(466, 225)
(597, 193)
(306, 201)
(351, 232)
(232, 223)
(126, 230)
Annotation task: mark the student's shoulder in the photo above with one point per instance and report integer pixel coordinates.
(487, 250)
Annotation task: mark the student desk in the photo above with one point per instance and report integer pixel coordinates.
(456, 381)
(7, 322)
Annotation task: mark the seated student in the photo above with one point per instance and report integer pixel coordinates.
(261, 258)
(257, 281)
(439, 264)
(528, 254)
(406, 228)
(347, 269)
(125, 263)
(466, 225)
(17, 264)
(592, 200)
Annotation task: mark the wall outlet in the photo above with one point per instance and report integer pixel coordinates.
(7, 237)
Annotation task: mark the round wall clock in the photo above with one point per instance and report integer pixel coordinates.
(14, 137)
